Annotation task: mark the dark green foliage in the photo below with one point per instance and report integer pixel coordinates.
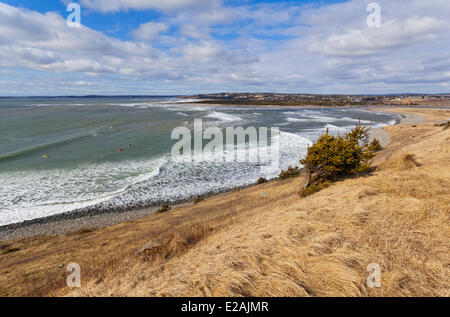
(198, 199)
(261, 180)
(334, 157)
(10, 250)
(290, 172)
(313, 188)
(84, 231)
(375, 146)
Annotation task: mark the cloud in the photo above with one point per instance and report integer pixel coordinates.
(46, 42)
(82, 83)
(207, 52)
(392, 35)
(192, 48)
(150, 30)
(169, 6)
(337, 52)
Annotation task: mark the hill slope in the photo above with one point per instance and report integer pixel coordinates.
(321, 245)
(266, 241)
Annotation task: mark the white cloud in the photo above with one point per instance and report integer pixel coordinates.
(150, 30)
(45, 42)
(207, 52)
(322, 49)
(161, 5)
(337, 52)
(82, 83)
(392, 34)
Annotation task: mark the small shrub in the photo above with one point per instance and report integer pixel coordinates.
(10, 250)
(333, 157)
(164, 208)
(198, 199)
(290, 172)
(84, 231)
(314, 188)
(261, 180)
(408, 162)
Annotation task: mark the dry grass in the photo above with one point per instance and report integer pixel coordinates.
(408, 162)
(266, 241)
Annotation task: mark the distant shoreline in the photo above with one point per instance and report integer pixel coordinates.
(286, 106)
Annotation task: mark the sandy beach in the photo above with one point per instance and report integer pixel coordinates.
(264, 240)
(385, 138)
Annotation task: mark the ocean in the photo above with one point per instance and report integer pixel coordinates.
(72, 154)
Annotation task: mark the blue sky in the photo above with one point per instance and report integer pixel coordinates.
(120, 24)
(201, 46)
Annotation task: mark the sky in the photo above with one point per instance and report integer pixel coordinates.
(184, 47)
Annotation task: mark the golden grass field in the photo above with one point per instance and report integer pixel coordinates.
(267, 241)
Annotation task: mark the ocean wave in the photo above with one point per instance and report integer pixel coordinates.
(297, 120)
(186, 108)
(179, 100)
(224, 117)
(26, 151)
(354, 120)
(333, 129)
(186, 100)
(382, 124)
(55, 104)
(142, 105)
(308, 116)
(36, 194)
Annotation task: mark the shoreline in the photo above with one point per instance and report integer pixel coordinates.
(281, 106)
(385, 138)
(77, 220)
(90, 219)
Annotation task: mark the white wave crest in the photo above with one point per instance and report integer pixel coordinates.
(224, 117)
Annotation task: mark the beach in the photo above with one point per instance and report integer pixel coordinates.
(264, 240)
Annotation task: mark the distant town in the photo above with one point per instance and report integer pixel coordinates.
(322, 100)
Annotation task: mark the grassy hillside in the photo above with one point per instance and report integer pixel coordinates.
(267, 241)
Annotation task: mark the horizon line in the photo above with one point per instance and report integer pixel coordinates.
(219, 93)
